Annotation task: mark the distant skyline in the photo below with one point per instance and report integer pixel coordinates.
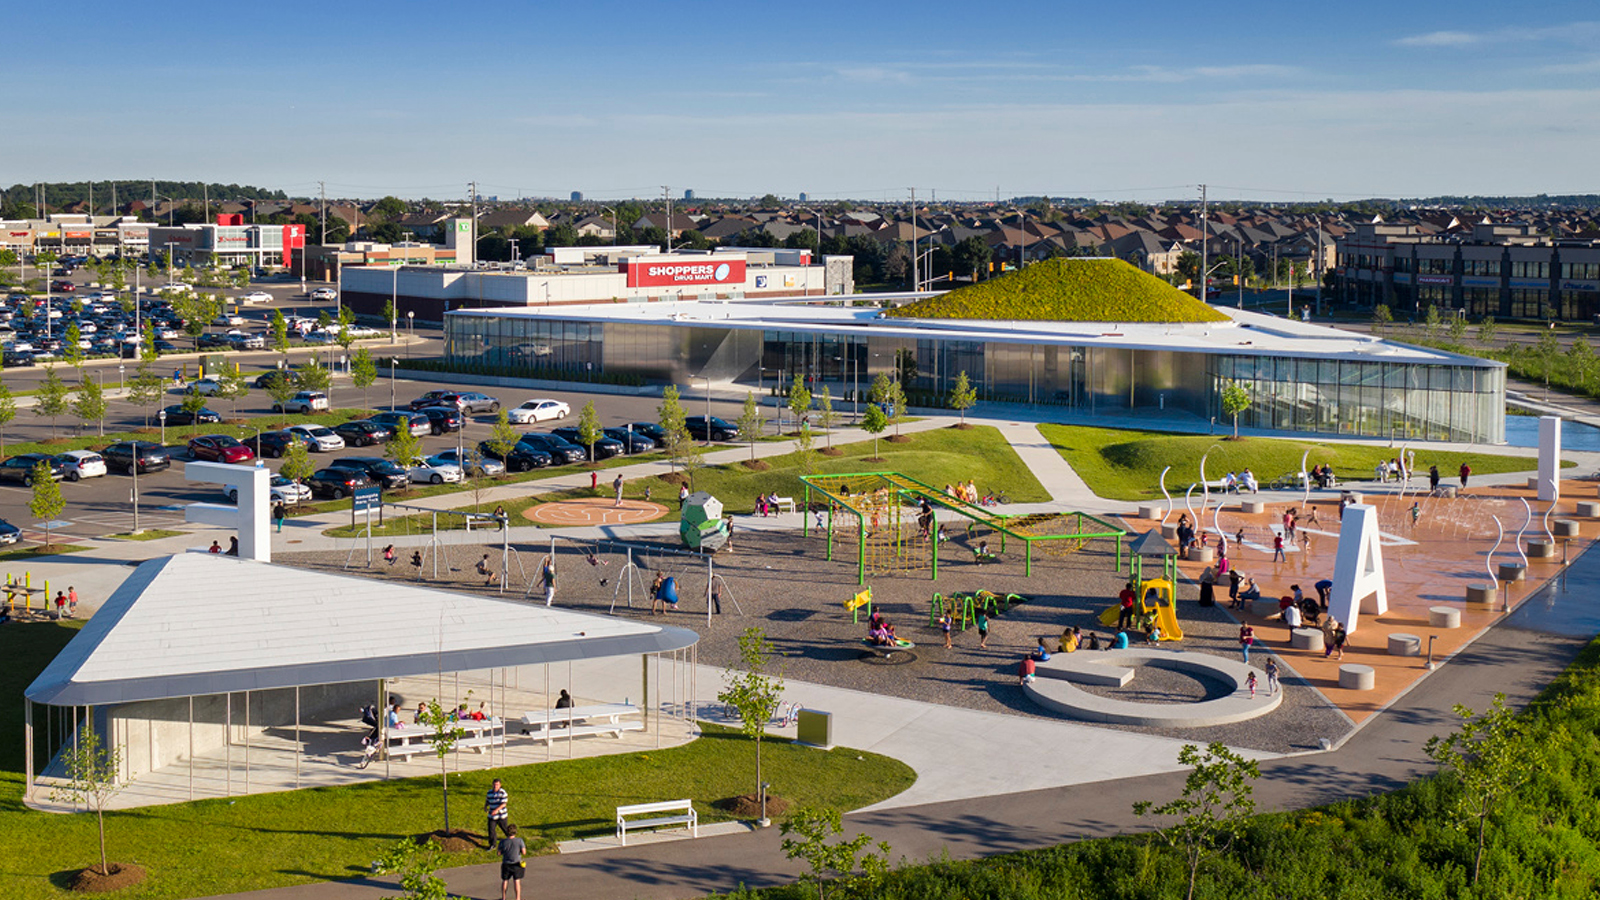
(860, 101)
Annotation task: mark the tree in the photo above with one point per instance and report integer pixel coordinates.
(363, 372)
(973, 256)
(390, 314)
(146, 388)
(1491, 758)
(887, 392)
(1458, 328)
(753, 689)
(873, 422)
(51, 397)
(193, 402)
(805, 450)
(89, 402)
(1545, 352)
(91, 767)
(750, 422)
(806, 836)
(47, 502)
(297, 465)
(443, 733)
(962, 395)
(826, 416)
(589, 430)
(280, 332)
(314, 376)
(1213, 808)
(670, 415)
(8, 412)
(1581, 359)
(1486, 331)
(232, 387)
(1188, 266)
(389, 209)
(799, 399)
(280, 387)
(403, 447)
(503, 436)
(415, 862)
(1431, 322)
(1381, 316)
(1235, 400)
(343, 337)
(196, 310)
(71, 346)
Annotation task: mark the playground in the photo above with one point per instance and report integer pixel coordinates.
(594, 511)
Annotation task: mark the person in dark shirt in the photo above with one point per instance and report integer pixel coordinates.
(512, 868)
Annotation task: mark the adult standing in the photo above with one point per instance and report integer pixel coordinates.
(1324, 592)
(1433, 479)
(512, 868)
(1247, 639)
(1465, 471)
(547, 577)
(1125, 600)
(1208, 583)
(683, 495)
(279, 514)
(616, 488)
(496, 805)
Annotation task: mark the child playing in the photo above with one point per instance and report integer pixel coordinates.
(1251, 681)
(1272, 675)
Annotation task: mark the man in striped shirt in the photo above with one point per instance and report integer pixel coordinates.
(495, 804)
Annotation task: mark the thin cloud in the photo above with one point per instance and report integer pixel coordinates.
(1441, 39)
(1571, 32)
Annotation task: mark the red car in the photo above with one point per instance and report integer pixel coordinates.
(219, 448)
(63, 287)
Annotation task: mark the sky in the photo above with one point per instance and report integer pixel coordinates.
(863, 100)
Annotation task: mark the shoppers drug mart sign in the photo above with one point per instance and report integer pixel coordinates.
(651, 271)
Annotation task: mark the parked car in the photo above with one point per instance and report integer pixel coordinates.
(256, 297)
(21, 468)
(424, 472)
(228, 320)
(539, 410)
(241, 341)
(431, 398)
(81, 464)
(443, 419)
(303, 402)
(273, 444)
(319, 437)
(150, 455)
(394, 421)
(362, 433)
(336, 483)
(324, 293)
(561, 450)
(177, 415)
(520, 458)
(208, 386)
(9, 533)
(63, 287)
(604, 448)
(651, 430)
(632, 440)
(471, 462)
(702, 428)
(282, 490)
(264, 380)
(219, 448)
(379, 470)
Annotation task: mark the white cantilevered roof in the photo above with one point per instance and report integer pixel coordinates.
(195, 624)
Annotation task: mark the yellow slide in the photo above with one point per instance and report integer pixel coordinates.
(1165, 609)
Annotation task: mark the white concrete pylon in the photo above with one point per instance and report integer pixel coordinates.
(249, 517)
(1549, 458)
(1358, 579)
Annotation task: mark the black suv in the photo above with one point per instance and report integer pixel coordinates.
(521, 458)
(442, 419)
(605, 448)
(633, 440)
(20, 468)
(562, 451)
(379, 471)
(702, 428)
(362, 433)
(336, 482)
(152, 456)
(273, 444)
(650, 430)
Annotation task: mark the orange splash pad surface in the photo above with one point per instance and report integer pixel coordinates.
(1426, 564)
(594, 511)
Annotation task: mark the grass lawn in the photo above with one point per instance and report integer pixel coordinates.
(1071, 290)
(1126, 465)
(267, 840)
(149, 534)
(35, 552)
(938, 457)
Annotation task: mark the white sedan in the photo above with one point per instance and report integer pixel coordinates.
(228, 320)
(256, 297)
(538, 411)
(282, 490)
(82, 464)
(429, 472)
(321, 437)
(324, 293)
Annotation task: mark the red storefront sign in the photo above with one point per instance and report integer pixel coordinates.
(645, 272)
(294, 238)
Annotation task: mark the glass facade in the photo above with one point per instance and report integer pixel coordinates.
(1356, 398)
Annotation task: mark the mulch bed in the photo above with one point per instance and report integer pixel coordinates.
(832, 451)
(456, 841)
(963, 426)
(748, 806)
(755, 465)
(898, 438)
(91, 881)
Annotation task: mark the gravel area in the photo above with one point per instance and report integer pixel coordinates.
(782, 583)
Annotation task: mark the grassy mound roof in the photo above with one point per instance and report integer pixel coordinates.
(1066, 290)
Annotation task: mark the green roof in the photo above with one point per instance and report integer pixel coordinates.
(1066, 290)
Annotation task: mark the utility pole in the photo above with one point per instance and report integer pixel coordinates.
(665, 192)
(1205, 232)
(916, 282)
(322, 188)
(91, 213)
(473, 231)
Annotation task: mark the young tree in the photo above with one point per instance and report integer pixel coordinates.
(826, 416)
(805, 450)
(297, 465)
(363, 372)
(403, 447)
(754, 689)
(280, 332)
(416, 864)
(89, 402)
(343, 337)
(799, 400)
(91, 767)
(503, 436)
(8, 412)
(670, 414)
(146, 388)
(589, 428)
(443, 733)
(196, 310)
(750, 422)
(1235, 400)
(314, 376)
(887, 392)
(962, 396)
(1213, 808)
(1486, 331)
(1491, 759)
(874, 422)
(390, 314)
(47, 502)
(71, 351)
(1457, 328)
(1381, 316)
(1545, 353)
(232, 387)
(50, 399)
(1581, 360)
(806, 836)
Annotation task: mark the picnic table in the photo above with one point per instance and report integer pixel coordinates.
(480, 734)
(581, 721)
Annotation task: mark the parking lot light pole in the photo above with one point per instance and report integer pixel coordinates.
(392, 362)
(162, 417)
(135, 470)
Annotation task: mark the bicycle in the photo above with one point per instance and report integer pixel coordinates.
(995, 499)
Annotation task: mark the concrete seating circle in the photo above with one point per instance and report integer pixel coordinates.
(1307, 639)
(1265, 607)
(1169, 530)
(1054, 688)
(1541, 549)
(1201, 554)
(1589, 509)
(1513, 571)
(1564, 528)
(1356, 677)
(1481, 593)
(1252, 507)
(1151, 511)
(1444, 617)
(1402, 644)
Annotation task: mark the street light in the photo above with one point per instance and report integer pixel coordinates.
(392, 362)
(162, 416)
(411, 330)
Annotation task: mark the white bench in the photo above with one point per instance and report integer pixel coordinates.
(581, 721)
(480, 734)
(784, 503)
(681, 813)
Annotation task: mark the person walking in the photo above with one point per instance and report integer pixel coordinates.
(512, 868)
(1433, 479)
(1250, 682)
(495, 805)
(1272, 675)
(1247, 639)
(72, 602)
(1234, 578)
(279, 514)
(61, 605)
(616, 488)
(982, 621)
(1465, 471)
(547, 577)
(1277, 549)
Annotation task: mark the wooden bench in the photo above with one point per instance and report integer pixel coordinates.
(784, 503)
(671, 812)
